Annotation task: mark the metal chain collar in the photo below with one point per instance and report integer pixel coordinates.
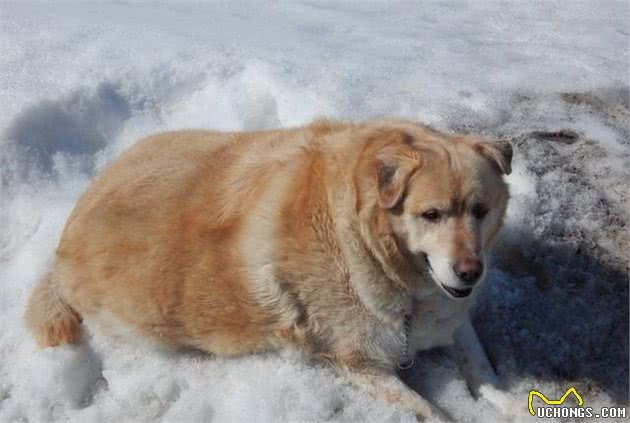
(406, 362)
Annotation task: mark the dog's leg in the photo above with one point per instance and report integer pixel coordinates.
(386, 386)
(472, 359)
(476, 368)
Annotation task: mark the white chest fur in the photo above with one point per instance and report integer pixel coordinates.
(434, 319)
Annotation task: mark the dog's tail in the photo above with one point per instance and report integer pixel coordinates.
(49, 317)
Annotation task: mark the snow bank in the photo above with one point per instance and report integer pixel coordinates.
(82, 81)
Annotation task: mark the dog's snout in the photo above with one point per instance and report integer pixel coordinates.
(468, 270)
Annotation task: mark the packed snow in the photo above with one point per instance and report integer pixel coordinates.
(82, 81)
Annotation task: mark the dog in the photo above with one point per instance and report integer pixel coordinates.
(357, 243)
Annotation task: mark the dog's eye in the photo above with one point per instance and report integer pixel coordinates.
(479, 211)
(431, 215)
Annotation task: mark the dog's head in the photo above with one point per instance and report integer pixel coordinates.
(443, 199)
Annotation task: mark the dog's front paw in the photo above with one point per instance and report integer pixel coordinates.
(423, 412)
(410, 400)
(499, 399)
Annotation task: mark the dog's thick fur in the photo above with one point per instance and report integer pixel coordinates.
(312, 237)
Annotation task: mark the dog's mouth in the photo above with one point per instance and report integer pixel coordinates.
(452, 292)
(457, 293)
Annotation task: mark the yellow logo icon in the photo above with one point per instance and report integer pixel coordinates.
(553, 402)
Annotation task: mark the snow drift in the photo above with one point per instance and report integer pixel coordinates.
(82, 81)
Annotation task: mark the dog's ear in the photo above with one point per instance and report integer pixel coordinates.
(395, 163)
(499, 153)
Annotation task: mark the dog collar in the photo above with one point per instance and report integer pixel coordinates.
(406, 362)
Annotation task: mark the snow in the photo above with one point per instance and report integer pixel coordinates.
(82, 81)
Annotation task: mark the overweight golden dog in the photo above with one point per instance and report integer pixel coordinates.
(359, 244)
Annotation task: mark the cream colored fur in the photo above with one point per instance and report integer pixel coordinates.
(310, 237)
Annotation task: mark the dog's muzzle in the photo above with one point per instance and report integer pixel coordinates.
(452, 292)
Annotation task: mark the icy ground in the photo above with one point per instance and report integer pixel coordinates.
(79, 82)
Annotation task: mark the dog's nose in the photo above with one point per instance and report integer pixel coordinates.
(469, 270)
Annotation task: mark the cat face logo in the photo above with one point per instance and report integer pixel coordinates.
(571, 390)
